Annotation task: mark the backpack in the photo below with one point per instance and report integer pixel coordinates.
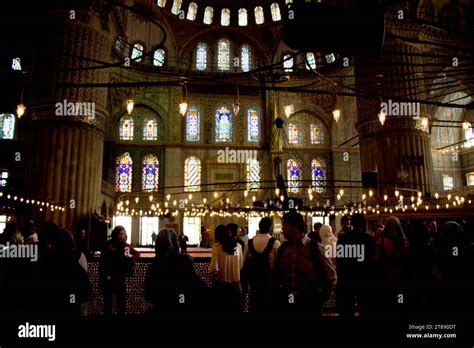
(257, 269)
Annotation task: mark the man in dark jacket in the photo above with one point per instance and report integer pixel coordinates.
(354, 272)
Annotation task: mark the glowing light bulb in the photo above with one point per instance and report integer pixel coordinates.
(425, 122)
(341, 192)
(204, 200)
(215, 194)
(382, 117)
(466, 125)
(419, 194)
(449, 197)
(385, 197)
(363, 197)
(20, 110)
(254, 198)
(371, 193)
(337, 114)
(397, 193)
(246, 193)
(412, 198)
(289, 109)
(168, 196)
(137, 199)
(277, 191)
(338, 196)
(183, 107)
(150, 198)
(436, 195)
(282, 198)
(130, 105)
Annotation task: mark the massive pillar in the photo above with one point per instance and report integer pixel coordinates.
(65, 146)
(400, 149)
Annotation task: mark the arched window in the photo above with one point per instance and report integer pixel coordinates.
(288, 62)
(223, 55)
(151, 173)
(208, 14)
(201, 56)
(310, 61)
(126, 128)
(137, 52)
(192, 11)
(253, 174)
(245, 58)
(276, 14)
(176, 7)
(193, 123)
(243, 20)
(123, 173)
(161, 3)
(224, 125)
(7, 126)
(259, 19)
(295, 174)
(253, 126)
(150, 129)
(294, 133)
(318, 175)
(225, 17)
(159, 57)
(192, 174)
(316, 134)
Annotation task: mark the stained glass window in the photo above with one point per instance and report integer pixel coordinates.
(193, 124)
(201, 56)
(253, 125)
(318, 175)
(295, 174)
(224, 126)
(310, 61)
(245, 58)
(150, 173)
(243, 20)
(223, 55)
(330, 58)
(276, 15)
(161, 3)
(288, 63)
(123, 173)
(137, 52)
(176, 7)
(192, 11)
(7, 126)
(225, 17)
(294, 133)
(126, 128)
(159, 57)
(259, 19)
(150, 129)
(208, 14)
(316, 134)
(192, 174)
(253, 174)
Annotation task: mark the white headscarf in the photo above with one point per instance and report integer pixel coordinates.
(326, 234)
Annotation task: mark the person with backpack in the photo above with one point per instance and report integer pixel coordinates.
(259, 259)
(304, 276)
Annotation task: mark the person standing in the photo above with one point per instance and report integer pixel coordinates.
(345, 225)
(226, 262)
(304, 276)
(314, 235)
(259, 260)
(116, 264)
(183, 243)
(353, 273)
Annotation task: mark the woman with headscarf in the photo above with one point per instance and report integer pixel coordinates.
(116, 264)
(391, 264)
(171, 282)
